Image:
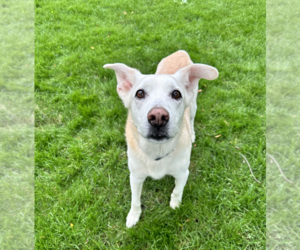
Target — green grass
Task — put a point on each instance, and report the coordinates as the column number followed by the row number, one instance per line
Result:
column 16, row 125
column 81, row 175
column 283, row 124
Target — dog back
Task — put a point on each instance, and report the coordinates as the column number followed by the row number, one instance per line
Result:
column 172, row 63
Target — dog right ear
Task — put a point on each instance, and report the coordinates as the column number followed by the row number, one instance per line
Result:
column 126, row 78
column 190, row 76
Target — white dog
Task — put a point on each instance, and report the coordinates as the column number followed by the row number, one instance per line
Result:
column 159, row 128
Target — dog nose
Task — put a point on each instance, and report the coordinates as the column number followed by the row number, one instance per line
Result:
column 158, row 117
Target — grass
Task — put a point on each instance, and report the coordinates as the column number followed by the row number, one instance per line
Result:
column 81, row 177
column 283, row 125
column 16, row 125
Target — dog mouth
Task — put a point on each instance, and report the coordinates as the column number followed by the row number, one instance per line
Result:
column 158, row 135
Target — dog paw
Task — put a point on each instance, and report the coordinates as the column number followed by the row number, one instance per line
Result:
column 133, row 217
column 174, row 203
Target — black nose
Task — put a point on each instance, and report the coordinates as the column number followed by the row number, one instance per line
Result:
column 158, row 117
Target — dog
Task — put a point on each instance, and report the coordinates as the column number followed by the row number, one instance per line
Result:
column 159, row 129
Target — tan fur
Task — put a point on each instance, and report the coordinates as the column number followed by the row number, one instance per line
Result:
column 172, row 63
column 131, row 133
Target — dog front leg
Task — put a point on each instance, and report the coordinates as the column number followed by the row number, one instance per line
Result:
column 180, row 181
column 136, row 185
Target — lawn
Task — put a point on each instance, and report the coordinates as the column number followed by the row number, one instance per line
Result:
column 283, row 124
column 16, row 125
column 82, row 191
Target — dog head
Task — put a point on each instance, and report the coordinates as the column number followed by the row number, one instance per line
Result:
column 157, row 102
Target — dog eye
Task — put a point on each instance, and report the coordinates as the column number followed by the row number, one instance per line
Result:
column 176, row 94
column 140, row 94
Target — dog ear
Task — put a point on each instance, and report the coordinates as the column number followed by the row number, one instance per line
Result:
column 190, row 76
column 126, row 78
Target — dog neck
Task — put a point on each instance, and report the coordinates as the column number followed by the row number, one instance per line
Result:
column 159, row 158
column 157, row 151
column 154, row 151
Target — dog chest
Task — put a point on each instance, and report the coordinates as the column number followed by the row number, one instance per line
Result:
column 174, row 163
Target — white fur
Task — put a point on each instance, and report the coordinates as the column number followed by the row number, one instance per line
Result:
column 176, row 150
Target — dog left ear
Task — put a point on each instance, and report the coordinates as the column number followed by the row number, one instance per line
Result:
column 126, row 78
column 190, row 76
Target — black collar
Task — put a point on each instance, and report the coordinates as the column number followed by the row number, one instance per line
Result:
column 159, row 158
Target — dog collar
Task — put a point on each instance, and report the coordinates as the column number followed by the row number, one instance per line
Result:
column 159, row 158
